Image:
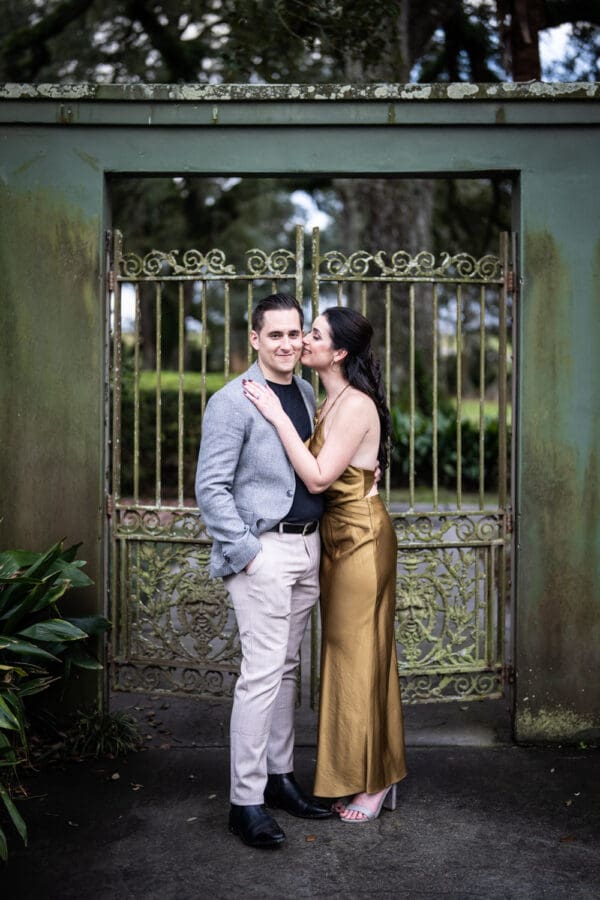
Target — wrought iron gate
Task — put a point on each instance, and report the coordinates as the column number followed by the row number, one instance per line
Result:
column 173, row 629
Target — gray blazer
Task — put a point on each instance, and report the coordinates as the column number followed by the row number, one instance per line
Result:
column 244, row 481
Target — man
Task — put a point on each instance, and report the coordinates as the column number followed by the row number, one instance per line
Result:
column 266, row 547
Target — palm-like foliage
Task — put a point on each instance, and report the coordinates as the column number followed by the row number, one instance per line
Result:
column 37, row 646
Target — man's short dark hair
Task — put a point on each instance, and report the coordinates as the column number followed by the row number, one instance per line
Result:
column 274, row 301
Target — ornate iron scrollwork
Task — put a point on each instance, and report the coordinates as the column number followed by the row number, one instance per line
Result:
column 179, row 625
column 174, row 630
column 268, row 265
column 158, row 263
column 404, row 267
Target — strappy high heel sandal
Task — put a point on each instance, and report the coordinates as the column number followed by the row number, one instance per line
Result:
column 388, row 799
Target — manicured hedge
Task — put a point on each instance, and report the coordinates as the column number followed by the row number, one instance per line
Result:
column 447, row 452
column 192, row 429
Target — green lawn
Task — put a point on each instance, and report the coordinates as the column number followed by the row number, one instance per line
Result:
column 470, row 410
column 214, row 380
column 192, row 381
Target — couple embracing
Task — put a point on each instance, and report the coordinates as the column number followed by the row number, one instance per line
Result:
column 294, row 513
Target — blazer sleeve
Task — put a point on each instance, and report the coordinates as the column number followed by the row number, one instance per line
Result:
column 223, row 432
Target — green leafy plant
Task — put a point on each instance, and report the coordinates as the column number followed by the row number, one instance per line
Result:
column 447, row 455
column 96, row 734
column 37, row 646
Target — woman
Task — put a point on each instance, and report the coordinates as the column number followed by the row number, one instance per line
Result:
column 360, row 744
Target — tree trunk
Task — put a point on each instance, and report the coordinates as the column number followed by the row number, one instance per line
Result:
column 520, row 24
column 389, row 214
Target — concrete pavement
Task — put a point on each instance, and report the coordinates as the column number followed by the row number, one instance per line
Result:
column 478, row 817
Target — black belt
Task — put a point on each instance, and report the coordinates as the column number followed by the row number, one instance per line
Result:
column 296, row 527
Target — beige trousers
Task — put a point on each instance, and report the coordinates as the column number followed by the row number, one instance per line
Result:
column 272, row 606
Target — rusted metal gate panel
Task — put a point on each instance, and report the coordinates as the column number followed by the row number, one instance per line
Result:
column 173, row 629
column 453, row 550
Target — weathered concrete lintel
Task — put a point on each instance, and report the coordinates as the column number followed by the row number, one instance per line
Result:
column 458, row 91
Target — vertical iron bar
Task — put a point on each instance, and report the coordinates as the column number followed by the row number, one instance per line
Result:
column 315, row 268
column 249, row 307
column 411, row 382
column 363, row 298
column 490, row 649
column 124, row 604
column 315, row 264
column 300, row 265
column 114, row 607
column 115, row 431
column 116, row 375
column 502, row 450
column 227, row 335
column 299, row 277
column 505, row 645
column 459, row 307
column 314, row 619
column 180, row 399
column 434, row 413
column 503, row 588
column 203, row 345
column 502, row 467
column 388, row 371
column 158, row 489
column 136, row 395
column 477, row 604
column 482, row 397
column 340, row 293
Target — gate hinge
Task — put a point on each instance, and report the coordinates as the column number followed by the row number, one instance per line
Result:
column 111, row 279
column 507, row 673
column 110, row 505
column 509, row 281
column 509, row 522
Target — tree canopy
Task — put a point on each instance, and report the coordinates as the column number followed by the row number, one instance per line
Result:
column 297, row 41
column 285, row 41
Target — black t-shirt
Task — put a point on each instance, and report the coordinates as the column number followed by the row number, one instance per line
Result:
column 305, row 506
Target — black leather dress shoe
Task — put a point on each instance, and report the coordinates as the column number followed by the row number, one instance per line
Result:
column 282, row 792
column 255, row 826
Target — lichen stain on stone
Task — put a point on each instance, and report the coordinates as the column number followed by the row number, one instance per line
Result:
column 416, row 92
column 302, row 92
column 458, row 91
column 49, row 91
column 556, row 725
column 549, row 90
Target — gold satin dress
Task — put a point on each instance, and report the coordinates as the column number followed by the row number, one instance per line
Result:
column 361, row 731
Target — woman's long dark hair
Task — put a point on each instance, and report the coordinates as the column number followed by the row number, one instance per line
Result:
column 352, row 332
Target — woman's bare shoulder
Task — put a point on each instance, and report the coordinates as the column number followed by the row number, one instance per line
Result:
column 357, row 401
